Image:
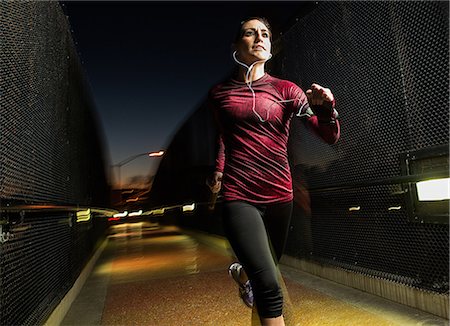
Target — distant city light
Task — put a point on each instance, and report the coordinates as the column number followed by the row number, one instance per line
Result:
column 138, row 213
column 189, row 208
column 113, row 218
column 123, row 214
column 157, row 211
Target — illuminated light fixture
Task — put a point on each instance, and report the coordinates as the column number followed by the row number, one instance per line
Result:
column 356, row 208
column 427, row 193
column 433, row 190
column 138, row 213
column 189, row 208
column 123, row 214
column 394, row 208
column 84, row 216
column 158, row 211
column 155, row 154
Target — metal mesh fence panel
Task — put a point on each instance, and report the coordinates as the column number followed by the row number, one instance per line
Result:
column 50, row 147
column 51, row 154
column 34, row 262
column 34, row 89
column 387, row 64
column 42, row 255
column 389, row 74
column 375, row 240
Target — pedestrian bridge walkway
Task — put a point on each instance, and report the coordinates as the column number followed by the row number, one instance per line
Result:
column 151, row 275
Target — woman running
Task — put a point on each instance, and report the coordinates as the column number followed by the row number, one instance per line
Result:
column 253, row 111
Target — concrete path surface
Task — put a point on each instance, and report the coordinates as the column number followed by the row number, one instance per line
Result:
column 161, row 276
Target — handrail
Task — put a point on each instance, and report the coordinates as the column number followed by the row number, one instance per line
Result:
column 50, row 208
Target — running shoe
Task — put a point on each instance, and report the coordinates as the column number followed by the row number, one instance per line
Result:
column 245, row 289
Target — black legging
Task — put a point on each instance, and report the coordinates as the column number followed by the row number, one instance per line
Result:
column 252, row 230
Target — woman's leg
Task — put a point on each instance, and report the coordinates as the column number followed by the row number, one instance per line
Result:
column 277, row 219
column 247, row 234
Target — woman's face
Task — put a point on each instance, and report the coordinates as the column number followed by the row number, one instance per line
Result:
column 254, row 44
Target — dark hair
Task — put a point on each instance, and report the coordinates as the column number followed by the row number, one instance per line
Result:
column 263, row 20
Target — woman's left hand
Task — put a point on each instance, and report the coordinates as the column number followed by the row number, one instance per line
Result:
column 319, row 96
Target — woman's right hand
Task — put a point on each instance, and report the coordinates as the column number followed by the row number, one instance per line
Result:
column 215, row 182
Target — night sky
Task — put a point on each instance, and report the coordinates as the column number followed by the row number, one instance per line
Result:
column 150, row 64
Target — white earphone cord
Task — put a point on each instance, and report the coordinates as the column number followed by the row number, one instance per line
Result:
column 249, row 84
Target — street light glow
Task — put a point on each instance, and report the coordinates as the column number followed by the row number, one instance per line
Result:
column 153, row 154
column 132, row 158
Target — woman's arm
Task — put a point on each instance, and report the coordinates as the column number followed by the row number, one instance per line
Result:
column 324, row 123
column 215, row 181
column 329, row 131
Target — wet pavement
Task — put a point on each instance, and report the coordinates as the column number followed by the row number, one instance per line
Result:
column 150, row 275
